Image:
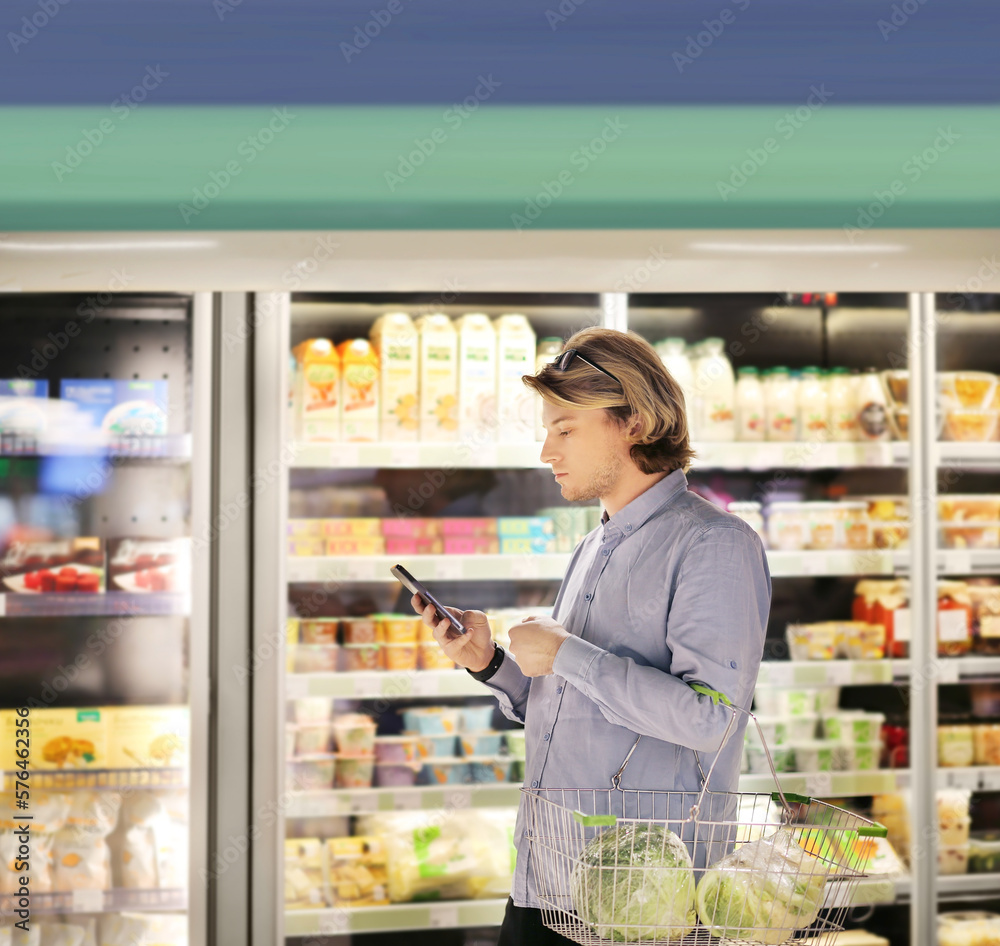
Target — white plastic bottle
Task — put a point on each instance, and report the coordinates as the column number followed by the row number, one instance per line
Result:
column 873, row 409
column 716, row 390
column 547, row 352
column 751, row 411
column 675, row 359
column 438, row 377
column 843, row 410
column 814, row 413
column 781, row 396
column 516, row 352
column 477, row 379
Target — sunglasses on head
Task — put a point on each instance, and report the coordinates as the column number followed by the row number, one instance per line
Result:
column 565, row 359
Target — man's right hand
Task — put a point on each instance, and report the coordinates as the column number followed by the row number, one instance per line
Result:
column 472, row 650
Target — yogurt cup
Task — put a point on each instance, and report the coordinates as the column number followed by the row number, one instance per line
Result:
column 782, row 756
column 313, row 709
column 444, row 772
column 316, row 658
column 515, row 742
column 311, row 738
column 430, row 656
column 437, row 746
column 359, row 630
column 434, row 720
column 813, row 755
column 853, row 726
column 354, row 734
column 489, row 769
column 476, row 718
column 400, row 629
column 362, row 657
column 397, row 656
column 396, row 774
column 308, row 774
column 354, row 772
column 396, row 749
column 486, row 743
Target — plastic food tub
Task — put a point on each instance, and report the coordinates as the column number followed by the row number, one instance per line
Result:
column 396, row 748
column 433, row 720
column 813, row 755
column 431, row 657
column 476, row 718
column 515, row 742
column 968, row 929
column 774, row 729
column 953, row 859
column 489, row 769
column 396, row 774
column 318, row 631
column 970, row 509
column 313, row 709
column 812, row 641
column 399, row 656
column 400, row 629
column 360, row 630
column 486, row 743
column 315, row 658
column 444, row 772
column 776, row 701
column 782, row 756
column 310, row 738
column 362, row 657
column 891, row 535
column 354, row 771
column 788, row 526
column 968, row 425
column 956, row 746
column 853, row 726
column 857, row 757
column 984, row 852
column 437, row 747
column 354, row 734
column 969, row 535
column 306, row 774
column 969, row 389
column 865, row 641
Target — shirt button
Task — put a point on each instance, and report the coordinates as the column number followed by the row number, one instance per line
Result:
column 628, row 527
column 607, row 551
column 588, row 596
column 558, row 689
column 534, row 784
column 546, row 736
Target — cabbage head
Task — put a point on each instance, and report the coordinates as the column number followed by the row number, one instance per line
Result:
column 634, row 883
column 764, row 891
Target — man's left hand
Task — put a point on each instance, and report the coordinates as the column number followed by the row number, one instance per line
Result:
column 534, row 643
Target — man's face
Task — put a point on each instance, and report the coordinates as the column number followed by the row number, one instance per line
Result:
column 586, row 449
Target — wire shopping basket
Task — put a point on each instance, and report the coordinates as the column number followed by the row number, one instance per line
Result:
column 694, row 867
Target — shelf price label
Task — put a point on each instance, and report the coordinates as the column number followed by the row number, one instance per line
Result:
column 296, row 686
column 989, row 779
column 819, row 784
column 524, row 567
column 962, row 778
column 362, row 802
column 448, row 568
column 368, row 686
column 87, row 901
column 443, row 916
column 407, row 801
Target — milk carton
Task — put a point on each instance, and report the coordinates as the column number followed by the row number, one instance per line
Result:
column 477, row 379
column 395, row 339
column 318, row 391
column 359, row 371
column 438, row 378
column 515, row 358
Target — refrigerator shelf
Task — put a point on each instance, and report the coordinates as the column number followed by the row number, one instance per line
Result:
column 100, row 901
column 175, row 447
column 875, row 782
column 96, row 780
column 111, row 603
column 444, row 915
column 319, row 804
column 810, row 673
column 369, row 684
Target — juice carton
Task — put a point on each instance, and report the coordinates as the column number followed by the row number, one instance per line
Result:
column 148, row 737
column 515, row 358
column 318, row 391
column 477, row 379
column 438, row 378
column 395, row 339
column 61, row 739
column 147, row 565
column 359, row 368
column 63, row 565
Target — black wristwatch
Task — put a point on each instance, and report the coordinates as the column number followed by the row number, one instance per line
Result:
column 494, row 665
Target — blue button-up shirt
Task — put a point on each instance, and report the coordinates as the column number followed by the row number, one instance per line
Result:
column 668, row 591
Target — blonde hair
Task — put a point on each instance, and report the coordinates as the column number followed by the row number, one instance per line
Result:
column 648, row 402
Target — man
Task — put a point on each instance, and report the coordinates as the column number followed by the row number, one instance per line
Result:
column 667, row 592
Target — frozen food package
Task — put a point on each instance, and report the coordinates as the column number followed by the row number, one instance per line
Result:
column 33, row 936
column 94, row 813
column 152, row 850
column 61, row 934
column 81, row 861
column 121, row 929
column 5, row 937
column 48, row 810
column 357, row 871
column 39, row 863
column 87, row 922
column 143, row 566
column 303, row 873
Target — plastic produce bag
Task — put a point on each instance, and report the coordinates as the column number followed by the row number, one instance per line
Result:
column 62, row 934
column 39, row 861
column 764, row 891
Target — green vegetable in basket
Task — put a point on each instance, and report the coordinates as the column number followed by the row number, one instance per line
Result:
column 634, row 883
column 763, row 891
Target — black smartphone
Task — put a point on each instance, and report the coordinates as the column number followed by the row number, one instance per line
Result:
column 418, row 589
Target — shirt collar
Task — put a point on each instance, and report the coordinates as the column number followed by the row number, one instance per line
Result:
column 632, row 517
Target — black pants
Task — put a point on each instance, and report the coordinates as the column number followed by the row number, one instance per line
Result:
column 522, row 926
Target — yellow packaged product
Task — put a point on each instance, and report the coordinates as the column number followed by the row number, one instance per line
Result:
column 358, row 871
column 438, row 378
column 348, row 527
column 38, row 866
column 356, row 545
column 359, row 369
column 148, row 737
column 303, row 873
column 395, row 339
column 317, row 391
column 291, row 642
column 65, row 738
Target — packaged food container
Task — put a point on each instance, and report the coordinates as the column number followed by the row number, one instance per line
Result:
column 899, row 422
column 360, row 630
column 318, row 631
column 954, row 619
column 774, row 729
column 361, row 657
column 968, row 929
column 315, row 658
column 400, row 629
column 396, row 774
column 812, row 641
column 437, row 747
column 396, row 748
column 489, row 769
column 399, row 656
column 750, row 513
column 825, row 700
column 822, row 525
column 864, row 641
column 788, row 526
column 853, row 726
column 985, row 600
column 433, row 720
column 770, row 701
column 896, row 745
column 311, row 738
column 802, row 727
column 308, row 774
column 985, row 699
column 476, row 718
column 888, row 508
column 354, row 772
column 968, row 535
column 956, row 747
column 801, row 702
column 984, row 853
column 891, row 535
column 444, row 772
column 430, row 656
column 425, row 634
column 891, row 610
column 354, row 734
column 968, row 389
column 313, row 709
column 970, row 426
column 953, row 859
column 813, row 755
column 953, row 815
column 897, row 386
column 981, row 507
column 485, row 743
column 783, row 757
column 854, row 530
column 856, row 757
column 986, row 743
column 515, row 742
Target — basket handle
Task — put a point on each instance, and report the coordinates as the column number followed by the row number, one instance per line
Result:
column 595, row 821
